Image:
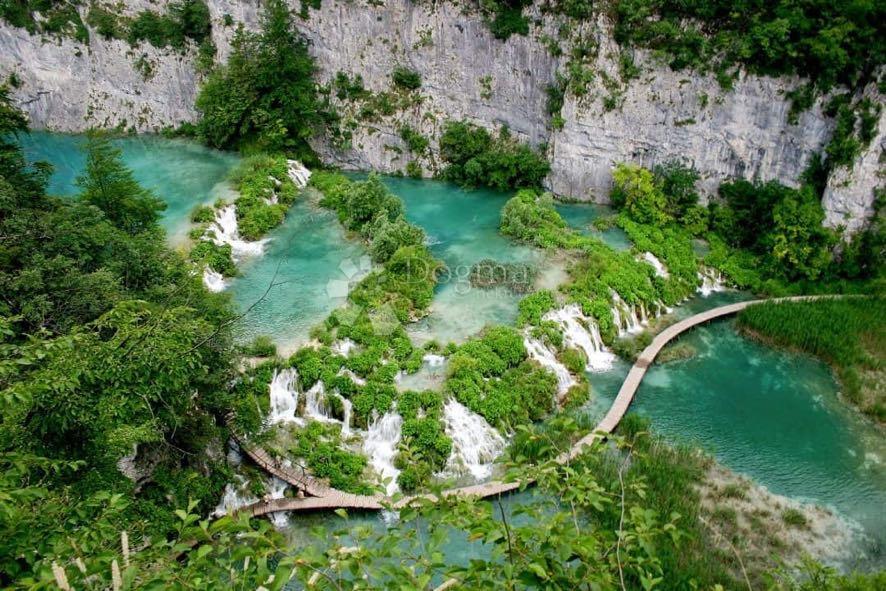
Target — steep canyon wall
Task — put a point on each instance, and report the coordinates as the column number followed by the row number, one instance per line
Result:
column 466, row 74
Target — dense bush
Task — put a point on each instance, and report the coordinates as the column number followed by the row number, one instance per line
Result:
column 831, row 43
column 493, row 377
column 476, row 158
column 265, row 95
column 54, row 17
column 424, row 447
column 216, row 257
column 320, row 445
column 406, row 78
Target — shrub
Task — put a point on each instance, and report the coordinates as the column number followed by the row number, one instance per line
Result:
column 261, row 346
column 416, row 141
column 475, row 158
column 216, row 257
column 406, row 78
column 202, row 214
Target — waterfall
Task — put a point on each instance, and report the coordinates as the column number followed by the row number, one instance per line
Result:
column 315, row 404
column 224, row 230
column 284, row 396
column 346, row 418
column 354, row 377
column 277, row 490
column 711, row 281
column 298, row 173
column 234, row 497
column 546, row 358
column 380, row 446
column 625, row 317
column 475, row 443
column 582, row 333
column 660, row 269
column 343, row 347
column 214, row 281
column 434, row 360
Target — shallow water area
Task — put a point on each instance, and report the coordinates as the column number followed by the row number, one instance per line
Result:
column 581, row 216
column 769, row 414
column 307, row 265
column 181, row 172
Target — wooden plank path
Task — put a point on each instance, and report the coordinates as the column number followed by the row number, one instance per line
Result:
column 325, row 497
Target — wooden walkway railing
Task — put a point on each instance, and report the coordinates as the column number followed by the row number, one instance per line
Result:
column 325, row 497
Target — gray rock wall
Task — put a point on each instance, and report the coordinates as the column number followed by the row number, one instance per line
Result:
column 466, row 73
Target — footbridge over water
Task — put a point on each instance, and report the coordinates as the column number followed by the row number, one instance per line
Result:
column 321, row 496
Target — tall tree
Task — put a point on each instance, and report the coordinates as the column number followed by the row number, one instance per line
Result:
column 110, row 186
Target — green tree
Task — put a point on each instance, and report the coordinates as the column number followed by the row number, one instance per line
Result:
column 109, row 185
column 634, row 189
column 265, row 96
column 799, row 246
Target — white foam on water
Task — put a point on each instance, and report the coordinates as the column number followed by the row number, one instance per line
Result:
column 380, row 446
column 475, row 443
column 214, row 281
column 284, row 396
column 277, row 490
column 434, row 360
column 626, row 319
column 546, row 358
column 235, row 497
column 354, row 377
column 660, row 269
column 582, row 333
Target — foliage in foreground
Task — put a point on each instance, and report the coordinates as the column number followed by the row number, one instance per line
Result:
column 618, row 516
column 848, row 333
column 112, row 356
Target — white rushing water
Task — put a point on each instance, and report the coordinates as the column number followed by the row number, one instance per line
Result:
column 276, row 489
column 298, row 173
column 343, row 347
column 236, row 496
column 475, row 443
column 214, row 281
column 347, row 416
column 711, row 281
column 582, row 333
column 284, row 396
column 546, row 358
column 659, row 267
column 625, row 317
column 353, row 377
column 380, row 446
column 224, row 230
column 434, row 360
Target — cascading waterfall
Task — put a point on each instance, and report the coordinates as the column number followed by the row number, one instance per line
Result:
column 224, row 230
column 277, row 490
column 434, row 360
column 380, row 446
column 343, row 347
column 624, row 316
column 475, row 443
column 582, row 333
column 546, row 358
column 284, row 396
column 214, row 281
column 711, row 281
column 315, row 404
column 235, row 497
column 347, row 413
column 354, row 377
column 660, row 269
column 298, row 174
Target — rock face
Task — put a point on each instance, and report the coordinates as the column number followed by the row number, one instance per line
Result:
column 466, row 74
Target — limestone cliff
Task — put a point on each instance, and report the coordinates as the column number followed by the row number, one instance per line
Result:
column 466, row 73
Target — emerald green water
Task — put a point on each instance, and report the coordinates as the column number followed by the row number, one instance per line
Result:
column 772, row 415
column 581, row 215
column 180, row 172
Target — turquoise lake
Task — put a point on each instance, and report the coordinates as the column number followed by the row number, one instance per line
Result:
column 772, row 415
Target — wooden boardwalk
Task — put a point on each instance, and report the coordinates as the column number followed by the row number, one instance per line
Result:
column 324, row 497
